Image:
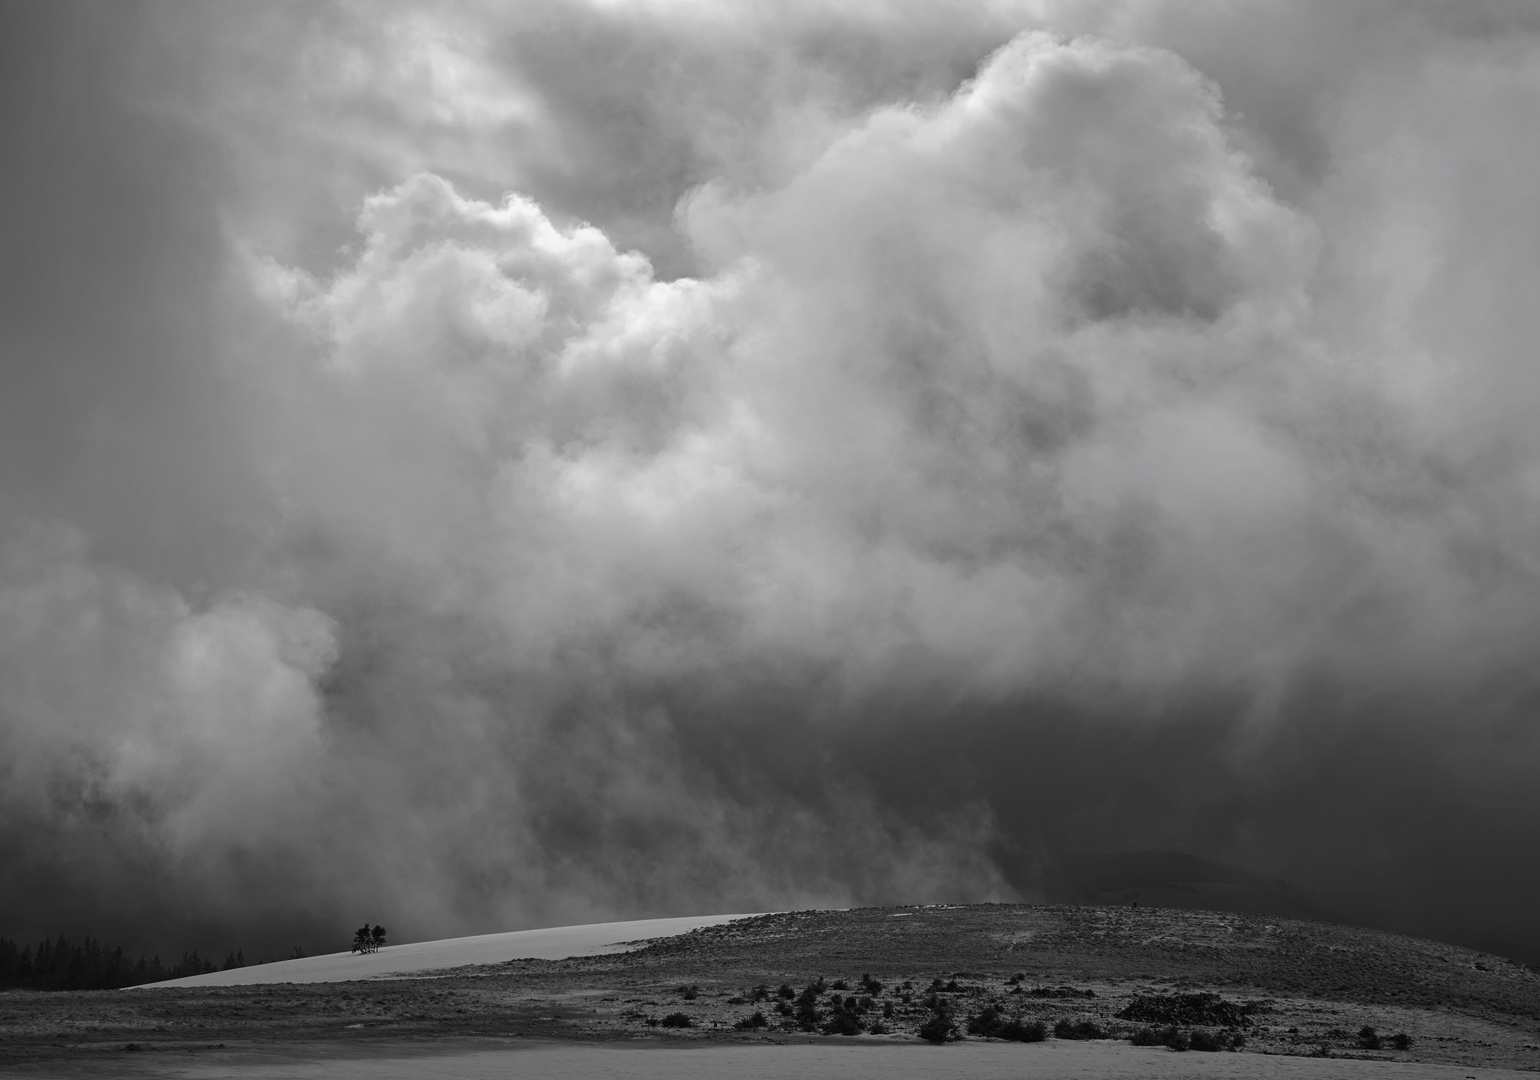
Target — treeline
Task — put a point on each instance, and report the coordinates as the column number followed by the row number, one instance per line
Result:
column 91, row 965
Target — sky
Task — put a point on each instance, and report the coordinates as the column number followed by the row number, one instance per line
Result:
column 472, row 466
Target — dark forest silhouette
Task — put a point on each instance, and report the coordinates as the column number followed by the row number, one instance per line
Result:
column 62, row 964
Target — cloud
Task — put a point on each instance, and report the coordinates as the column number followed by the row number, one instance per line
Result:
column 1047, row 429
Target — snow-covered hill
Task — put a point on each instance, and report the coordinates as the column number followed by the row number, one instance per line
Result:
column 551, row 943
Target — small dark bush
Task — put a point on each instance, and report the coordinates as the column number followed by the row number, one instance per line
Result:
column 1208, row 1041
column 1079, row 1029
column 871, row 985
column 678, row 1020
column 1170, row 1036
column 807, row 1007
column 838, row 984
column 939, row 1028
column 1023, row 1031
column 785, row 991
column 1368, row 1039
column 689, row 993
column 1401, row 1040
column 888, row 1010
column 841, row 1022
column 752, row 1023
column 761, row 992
column 986, row 1021
column 877, row 1027
column 784, row 1008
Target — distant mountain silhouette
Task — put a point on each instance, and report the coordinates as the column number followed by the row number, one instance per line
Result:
column 1175, row 879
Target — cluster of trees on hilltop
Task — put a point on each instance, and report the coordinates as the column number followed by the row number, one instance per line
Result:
column 90, row 965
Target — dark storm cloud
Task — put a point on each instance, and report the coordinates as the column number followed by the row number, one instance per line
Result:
column 1058, row 428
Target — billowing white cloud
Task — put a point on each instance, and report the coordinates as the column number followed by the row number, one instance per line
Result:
column 1119, row 374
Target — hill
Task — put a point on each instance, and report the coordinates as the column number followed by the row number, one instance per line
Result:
column 1275, row 985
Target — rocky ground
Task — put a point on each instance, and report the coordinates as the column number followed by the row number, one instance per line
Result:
column 1258, row 984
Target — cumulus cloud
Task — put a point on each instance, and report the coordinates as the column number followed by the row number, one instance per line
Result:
column 1116, row 439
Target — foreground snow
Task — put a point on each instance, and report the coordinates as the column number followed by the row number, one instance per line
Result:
column 552, row 943
column 894, row 1061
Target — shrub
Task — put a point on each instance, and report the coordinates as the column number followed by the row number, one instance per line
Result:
column 877, row 1027
column 806, row 1011
column 761, row 992
column 985, row 1022
column 991, row 1023
column 1023, row 1031
column 939, row 1028
column 1079, row 1029
column 677, row 1020
column 1401, row 1040
column 841, row 1022
column 689, row 993
column 1173, row 1037
column 871, row 985
column 785, row 991
column 1368, row 1039
column 838, row 984
column 1208, row 1041
column 753, row 1022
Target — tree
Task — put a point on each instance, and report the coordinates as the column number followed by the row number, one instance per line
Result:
column 367, row 940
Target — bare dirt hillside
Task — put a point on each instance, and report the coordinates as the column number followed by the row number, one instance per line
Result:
column 1245, row 983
